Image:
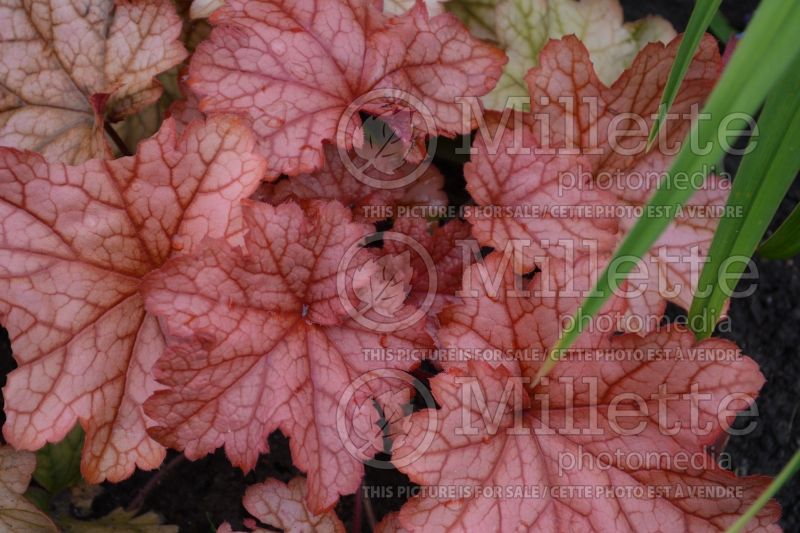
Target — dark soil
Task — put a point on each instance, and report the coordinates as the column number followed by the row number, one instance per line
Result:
column 200, row 495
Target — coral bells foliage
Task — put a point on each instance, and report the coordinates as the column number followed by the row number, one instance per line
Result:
column 582, row 151
column 185, row 297
column 602, row 412
column 66, row 67
column 295, row 68
column 76, row 242
column 273, row 347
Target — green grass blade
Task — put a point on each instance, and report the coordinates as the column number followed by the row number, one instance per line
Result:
column 766, row 51
column 721, row 28
column 785, row 242
column 764, row 177
column 702, row 15
column 780, row 480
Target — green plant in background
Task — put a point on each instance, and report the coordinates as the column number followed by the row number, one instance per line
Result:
column 58, row 467
column 764, row 67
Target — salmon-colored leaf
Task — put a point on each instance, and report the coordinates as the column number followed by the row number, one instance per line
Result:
column 75, row 244
column 521, row 473
column 264, row 341
column 618, row 413
column 610, row 126
column 581, row 108
column 67, row 68
column 573, row 184
column 383, row 283
column 298, row 70
column 390, row 524
column 525, row 203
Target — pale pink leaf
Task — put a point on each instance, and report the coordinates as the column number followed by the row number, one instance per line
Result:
column 270, row 344
column 438, row 256
column 295, row 70
column 585, row 197
column 390, row 524
column 622, row 166
column 526, row 203
column 282, row 506
column 384, row 283
column 485, row 443
column 186, row 109
column 524, row 455
column 75, row 244
column 581, row 109
column 67, row 68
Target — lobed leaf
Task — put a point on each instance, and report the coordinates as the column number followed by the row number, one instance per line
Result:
column 523, row 27
column 67, row 70
column 261, row 340
column 740, row 90
column 572, row 187
column 519, row 446
column 257, row 63
column 75, row 244
column 369, row 202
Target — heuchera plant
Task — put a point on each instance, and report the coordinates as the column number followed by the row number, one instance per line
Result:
column 228, row 279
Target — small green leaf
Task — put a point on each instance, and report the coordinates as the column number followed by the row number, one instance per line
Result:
column 785, row 242
column 766, row 51
column 702, row 15
column 780, row 480
column 58, row 465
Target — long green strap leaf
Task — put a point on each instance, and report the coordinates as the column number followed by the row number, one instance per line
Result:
column 765, row 52
column 702, row 15
column 785, row 242
column 721, row 28
column 780, row 480
column 764, row 177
